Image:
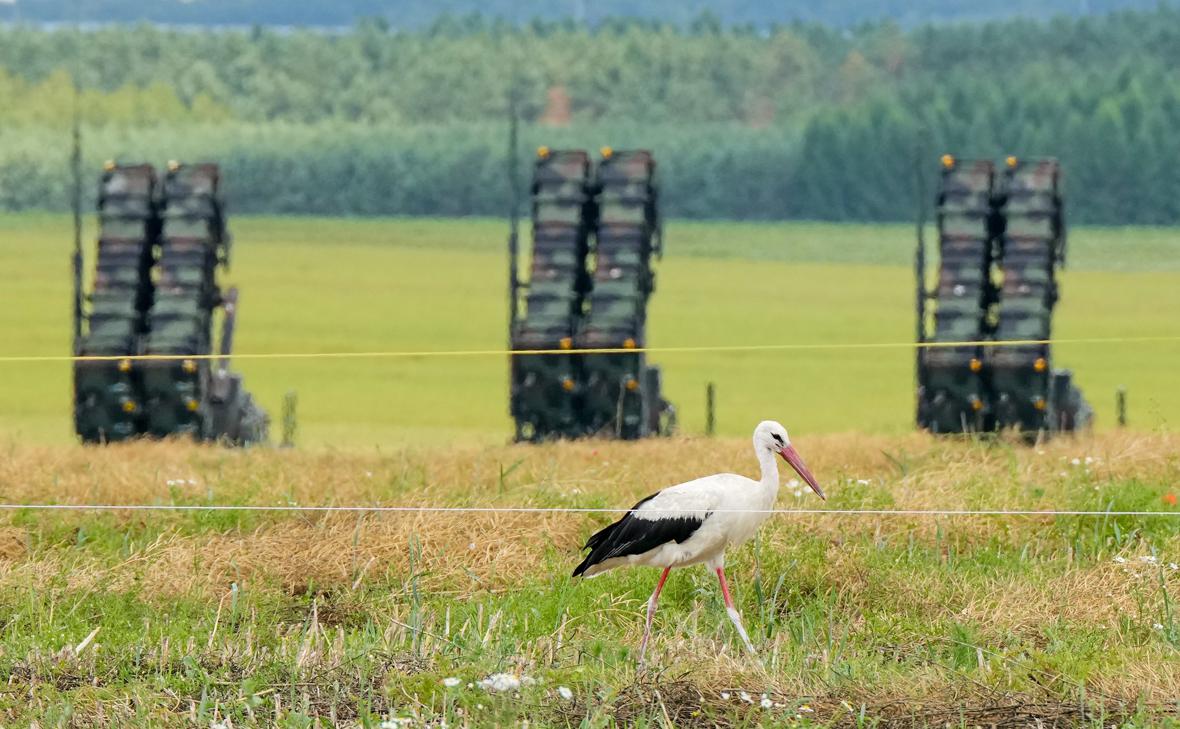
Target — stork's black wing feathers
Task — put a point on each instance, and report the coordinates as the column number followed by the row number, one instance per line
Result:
column 632, row 535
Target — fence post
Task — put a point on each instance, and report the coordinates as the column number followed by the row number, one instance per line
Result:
column 710, row 404
column 289, row 421
column 1121, row 405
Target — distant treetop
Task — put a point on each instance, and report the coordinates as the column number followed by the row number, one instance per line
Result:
column 418, row 14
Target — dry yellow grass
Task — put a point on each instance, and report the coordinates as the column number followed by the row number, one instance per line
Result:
column 939, row 469
column 886, row 593
column 481, row 550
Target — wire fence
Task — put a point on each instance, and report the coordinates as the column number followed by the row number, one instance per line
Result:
column 295, row 508
column 393, row 354
column 397, row 509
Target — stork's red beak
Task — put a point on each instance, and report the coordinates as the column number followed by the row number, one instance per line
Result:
column 791, row 456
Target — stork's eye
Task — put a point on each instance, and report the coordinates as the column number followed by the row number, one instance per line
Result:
column 777, row 438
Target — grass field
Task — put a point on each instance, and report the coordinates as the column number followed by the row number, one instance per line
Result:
column 237, row 618
column 321, row 285
column 295, row 620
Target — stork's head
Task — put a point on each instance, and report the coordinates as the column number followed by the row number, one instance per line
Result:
column 772, row 436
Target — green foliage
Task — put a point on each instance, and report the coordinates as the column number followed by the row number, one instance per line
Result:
column 789, row 122
column 360, row 169
column 457, row 14
column 50, row 102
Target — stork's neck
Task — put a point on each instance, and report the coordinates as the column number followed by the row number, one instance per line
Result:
column 769, row 466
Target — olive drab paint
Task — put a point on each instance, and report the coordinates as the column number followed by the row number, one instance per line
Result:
column 953, row 392
column 595, row 230
column 1001, row 242
column 542, row 397
column 160, row 247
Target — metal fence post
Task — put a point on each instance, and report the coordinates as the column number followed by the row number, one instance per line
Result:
column 289, row 422
column 710, row 404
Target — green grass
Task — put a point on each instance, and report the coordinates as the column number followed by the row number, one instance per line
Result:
column 299, row 620
column 290, row 620
column 322, row 285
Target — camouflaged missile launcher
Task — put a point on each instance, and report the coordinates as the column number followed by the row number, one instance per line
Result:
column 953, row 398
column 193, row 241
column 542, row 399
column 107, row 401
column 999, row 386
column 566, row 307
column 614, row 400
column 155, row 290
column 1029, row 395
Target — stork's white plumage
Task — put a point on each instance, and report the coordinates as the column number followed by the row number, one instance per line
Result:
column 696, row 522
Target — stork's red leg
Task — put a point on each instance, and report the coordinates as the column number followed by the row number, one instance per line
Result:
column 733, row 613
column 725, row 589
column 651, row 612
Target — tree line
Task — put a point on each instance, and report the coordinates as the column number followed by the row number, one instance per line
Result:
column 426, row 13
column 799, row 121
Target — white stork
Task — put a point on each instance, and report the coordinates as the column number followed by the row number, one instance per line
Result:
column 696, row 521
